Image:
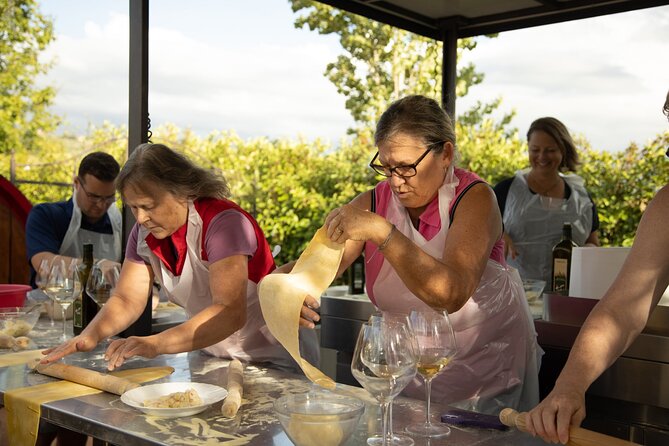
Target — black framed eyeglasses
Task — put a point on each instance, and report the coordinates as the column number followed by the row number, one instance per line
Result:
column 95, row 198
column 403, row 170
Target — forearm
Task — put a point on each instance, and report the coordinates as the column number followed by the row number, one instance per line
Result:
column 114, row 317
column 449, row 292
column 208, row 327
column 604, row 337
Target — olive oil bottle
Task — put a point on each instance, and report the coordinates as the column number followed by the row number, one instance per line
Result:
column 562, row 261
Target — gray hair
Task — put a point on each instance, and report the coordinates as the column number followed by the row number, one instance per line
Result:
column 418, row 116
column 172, row 171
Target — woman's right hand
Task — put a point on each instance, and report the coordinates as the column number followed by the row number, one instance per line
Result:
column 552, row 418
column 509, row 247
column 81, row 343
column 309, row 317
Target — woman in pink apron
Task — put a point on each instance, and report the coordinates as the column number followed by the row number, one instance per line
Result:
column 206, row 252
column 432, row 237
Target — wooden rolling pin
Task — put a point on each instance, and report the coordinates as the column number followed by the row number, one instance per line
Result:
column 577, row 435
column 235, row 389
column 90, row 378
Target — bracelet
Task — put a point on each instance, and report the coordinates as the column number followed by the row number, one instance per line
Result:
column 383, row 245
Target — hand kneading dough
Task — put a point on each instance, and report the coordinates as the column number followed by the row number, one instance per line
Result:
column 189, row 398
column 282, row 295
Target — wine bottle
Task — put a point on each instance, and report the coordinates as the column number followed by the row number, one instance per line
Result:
column 82, row 313
column 562, row 261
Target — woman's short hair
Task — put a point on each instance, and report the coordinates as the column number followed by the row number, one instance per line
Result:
column 171, row 171
column 418, row 116
column 558, row 131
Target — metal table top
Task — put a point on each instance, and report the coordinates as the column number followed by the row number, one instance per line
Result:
column 105, row 417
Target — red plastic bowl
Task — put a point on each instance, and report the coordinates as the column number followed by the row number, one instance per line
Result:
column 13, row 295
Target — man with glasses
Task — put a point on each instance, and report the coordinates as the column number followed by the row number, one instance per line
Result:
column 89, row 216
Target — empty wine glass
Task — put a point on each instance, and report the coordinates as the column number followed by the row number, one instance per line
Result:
column 101, row 283
column 384, row 362
column 435, row 340
column 63, row 286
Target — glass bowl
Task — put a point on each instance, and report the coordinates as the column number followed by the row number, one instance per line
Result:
column 318, row 418
column 18, row 321
column 533, row 288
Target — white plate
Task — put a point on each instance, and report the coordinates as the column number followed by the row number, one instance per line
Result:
column 209, row 393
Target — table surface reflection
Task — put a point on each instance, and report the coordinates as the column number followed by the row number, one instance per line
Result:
column 106, row 418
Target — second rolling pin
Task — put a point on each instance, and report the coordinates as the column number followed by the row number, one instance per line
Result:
column 577, row 435
column 235, row 389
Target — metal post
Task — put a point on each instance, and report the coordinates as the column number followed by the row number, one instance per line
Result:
column 138, row 114
column 449, row 76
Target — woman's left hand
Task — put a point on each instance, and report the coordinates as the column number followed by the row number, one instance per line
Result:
column 121, row 349
column 351, row 223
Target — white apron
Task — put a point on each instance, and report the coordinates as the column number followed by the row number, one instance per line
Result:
column 253, row 342
column 534, row 223
column 105, row 246
column 497, row 362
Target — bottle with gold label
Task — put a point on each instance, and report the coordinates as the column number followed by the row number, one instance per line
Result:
column 562, row 261
column 81, row 304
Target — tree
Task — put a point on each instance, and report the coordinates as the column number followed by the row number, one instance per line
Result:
column 24, row 114
column 381, row 63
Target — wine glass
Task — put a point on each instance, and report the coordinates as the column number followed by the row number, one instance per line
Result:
column 384, row 362
column 101, row 284
column 435, row 340
column 63, row 286
column 41, row 277
column 395, row 439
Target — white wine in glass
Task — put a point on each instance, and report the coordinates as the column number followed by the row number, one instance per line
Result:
column 41, row 278
column 435, row 341
column 63, row 286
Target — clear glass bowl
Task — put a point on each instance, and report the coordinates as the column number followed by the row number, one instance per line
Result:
column 318, row 418
column 18, row 321
column 533, row 288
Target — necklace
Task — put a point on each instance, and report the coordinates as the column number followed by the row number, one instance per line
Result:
column 532, row 183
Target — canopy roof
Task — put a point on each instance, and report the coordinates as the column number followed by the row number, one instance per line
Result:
column 475, row 17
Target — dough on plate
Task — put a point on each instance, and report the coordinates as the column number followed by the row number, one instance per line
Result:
column 189, row 398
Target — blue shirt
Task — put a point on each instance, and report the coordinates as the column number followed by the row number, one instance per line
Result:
column 47, row 225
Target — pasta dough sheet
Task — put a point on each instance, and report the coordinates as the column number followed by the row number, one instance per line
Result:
column 24, row 404
column 282, row 296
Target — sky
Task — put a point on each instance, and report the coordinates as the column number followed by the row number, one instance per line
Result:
column 242, row 66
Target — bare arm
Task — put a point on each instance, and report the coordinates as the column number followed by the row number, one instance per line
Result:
column 227, row 313
column 612, row 325
column 122, row 309
column 443, row 284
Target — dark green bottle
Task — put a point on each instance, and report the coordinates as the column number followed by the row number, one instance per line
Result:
column 82, row 313
column 562, row 261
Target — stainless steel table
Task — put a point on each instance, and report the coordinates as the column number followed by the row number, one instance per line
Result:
column 106, row 418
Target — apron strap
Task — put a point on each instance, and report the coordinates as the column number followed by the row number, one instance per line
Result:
column 373, row 206
column 451, row 212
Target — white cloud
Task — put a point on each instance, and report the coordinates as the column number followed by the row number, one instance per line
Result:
column 605, row 78
column 255, row 89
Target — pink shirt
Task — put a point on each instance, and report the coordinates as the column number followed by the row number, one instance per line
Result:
column 429, row 222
